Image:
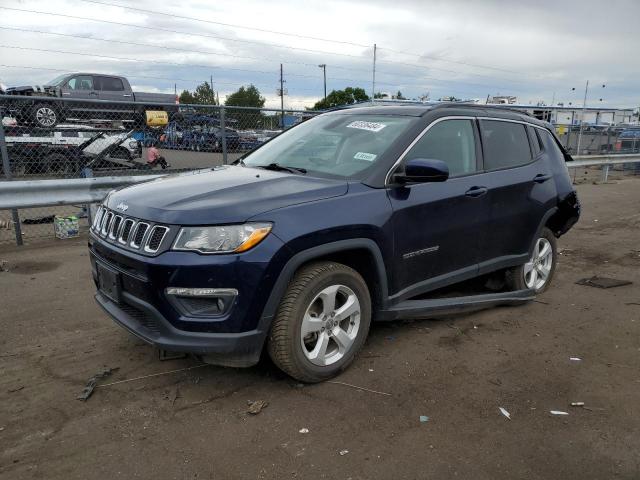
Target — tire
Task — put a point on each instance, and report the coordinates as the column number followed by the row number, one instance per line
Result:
column 45, row 115
column 58, row 164
column 313, row 294
column 529, row 275
column 121, row 153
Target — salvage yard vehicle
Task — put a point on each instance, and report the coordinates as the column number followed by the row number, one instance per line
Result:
column 68, row 148
column 628, row 141
column 114, row 92
column 355, row 215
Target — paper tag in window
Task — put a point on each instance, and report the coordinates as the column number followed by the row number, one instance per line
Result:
column 369, row 157
column 369, row 126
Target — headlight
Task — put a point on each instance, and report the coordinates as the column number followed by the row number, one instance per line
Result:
column 222, row 239
column 133, row 144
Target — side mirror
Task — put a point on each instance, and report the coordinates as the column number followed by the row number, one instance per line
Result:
column 423, row 170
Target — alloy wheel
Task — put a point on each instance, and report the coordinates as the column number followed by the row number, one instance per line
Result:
column 538, row 269
column 330, row 325
column 46, row 116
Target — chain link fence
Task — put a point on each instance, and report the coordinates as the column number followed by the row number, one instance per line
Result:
column 49, row 138
column 52, row 137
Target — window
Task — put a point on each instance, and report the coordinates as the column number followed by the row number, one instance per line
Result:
column 451, row 141
column 81, row 82
column 110, row 84
column 505, row 144
column 536, row 143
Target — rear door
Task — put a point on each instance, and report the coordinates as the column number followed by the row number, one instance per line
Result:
column 112, row 88
column 521, row 191
column 438, row 226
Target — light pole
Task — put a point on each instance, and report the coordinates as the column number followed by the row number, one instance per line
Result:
column 584, row 111
column 324, row 73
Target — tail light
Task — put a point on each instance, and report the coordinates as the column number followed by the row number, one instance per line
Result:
column 177, row 100
column 618, row 145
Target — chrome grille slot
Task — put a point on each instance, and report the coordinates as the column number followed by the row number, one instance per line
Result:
column 155, row 238
column 106, row 223
column 139, row 234
column 126, row 231
column 115, row 226
column 98, row 218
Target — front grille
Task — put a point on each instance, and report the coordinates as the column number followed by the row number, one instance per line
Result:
column 128, row 232
column 155, row 239
column 141, row 229
column 142, row 317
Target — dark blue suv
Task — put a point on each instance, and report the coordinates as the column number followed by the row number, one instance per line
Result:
column 355, row 215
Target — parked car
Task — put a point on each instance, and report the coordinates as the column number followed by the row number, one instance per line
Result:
column 628, row 141
column 355, row 215
column 205, row 138
column 81, row 89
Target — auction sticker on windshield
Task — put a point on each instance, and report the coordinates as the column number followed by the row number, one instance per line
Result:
column 369, row 157
column 369, row 126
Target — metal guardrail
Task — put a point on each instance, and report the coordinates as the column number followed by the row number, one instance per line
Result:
column 38, row 193
column 76, row 191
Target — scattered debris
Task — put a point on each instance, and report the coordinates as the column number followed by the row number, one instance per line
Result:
column 256, row 407
column 593, row 409
column 16, row 389
column 577, row 404
column 390, row 338
column 424, row 419
column 164, row 355
column 602, row 282
column 371, row 369
column 505, row 413
column 343, row 452
column 575, row 359
column 1, row 429
column 565, row 251
column 304, row 430
column 356, row 386
column 558, row 412
column 176, row 395
column 92, row 383
column 153, row 375
column 540, row 301
column 632, row 303
column 3, row 266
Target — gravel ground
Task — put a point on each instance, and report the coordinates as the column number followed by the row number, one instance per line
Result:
column 456, row 371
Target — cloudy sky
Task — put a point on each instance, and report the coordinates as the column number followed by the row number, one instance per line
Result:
column 536, row 50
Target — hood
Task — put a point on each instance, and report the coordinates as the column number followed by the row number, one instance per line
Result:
column 28, row 90
column 230, row 194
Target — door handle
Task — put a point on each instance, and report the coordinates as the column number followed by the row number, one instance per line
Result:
column 476, row 191
column 541, row 177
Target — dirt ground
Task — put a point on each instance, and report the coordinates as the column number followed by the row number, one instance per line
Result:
column 456, row 371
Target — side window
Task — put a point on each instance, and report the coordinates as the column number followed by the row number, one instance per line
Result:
column 81, row 82
column 505, row 144
column 549, row 142
column 451, row 141
column 110, row 84
column 536, row 143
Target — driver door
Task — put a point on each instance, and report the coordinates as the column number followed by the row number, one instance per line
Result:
column 439, row 226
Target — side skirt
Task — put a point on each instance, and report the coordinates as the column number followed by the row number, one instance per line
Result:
column 410, row 309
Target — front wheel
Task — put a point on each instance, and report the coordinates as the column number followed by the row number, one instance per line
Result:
column 322, row 322
column 537, row 273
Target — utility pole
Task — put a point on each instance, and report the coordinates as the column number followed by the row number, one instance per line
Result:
column 373, row 83
column 584, row 110
column 324, row 71
column 281, row 98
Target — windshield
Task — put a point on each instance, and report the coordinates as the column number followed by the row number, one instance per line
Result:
column 57, row 80
column 337, row 145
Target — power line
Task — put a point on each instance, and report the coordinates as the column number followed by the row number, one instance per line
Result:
column 172, row 15
column 180, row 32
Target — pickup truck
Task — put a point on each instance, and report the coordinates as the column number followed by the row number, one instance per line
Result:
column 91, row 97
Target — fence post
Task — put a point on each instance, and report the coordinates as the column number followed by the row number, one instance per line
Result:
column 224, row 136
column 605, row 173
column 6, row 165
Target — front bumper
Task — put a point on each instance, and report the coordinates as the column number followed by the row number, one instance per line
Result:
column 147, row 323
column 234, row 336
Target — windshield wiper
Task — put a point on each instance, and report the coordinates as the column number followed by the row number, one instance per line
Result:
column 282, row 168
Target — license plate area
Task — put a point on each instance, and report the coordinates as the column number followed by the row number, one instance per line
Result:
column 108, row 282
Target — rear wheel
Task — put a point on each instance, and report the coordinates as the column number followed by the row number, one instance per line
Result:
column 538, row 272
column 322, row 322
column 45, row 115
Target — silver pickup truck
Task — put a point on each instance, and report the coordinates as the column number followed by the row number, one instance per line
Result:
column 93, row 97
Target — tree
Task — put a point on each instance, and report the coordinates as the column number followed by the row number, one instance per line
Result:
column 205, row 94
column 186, row 97
column 246, row 97
column 337, row 98
column 380, row 95
column 399, row 96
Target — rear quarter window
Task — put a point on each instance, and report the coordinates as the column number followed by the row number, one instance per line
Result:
column 504, row 144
